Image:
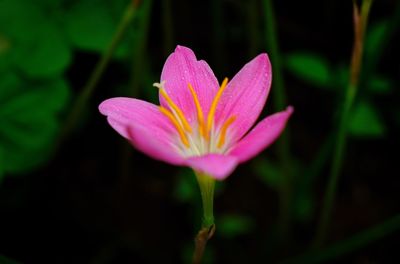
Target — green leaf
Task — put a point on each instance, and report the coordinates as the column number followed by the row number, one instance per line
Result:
column 309, row 67
column 29, row 121
column 90, row 25
column 304, row 206
column 268, row 172
column 379, row 85
column 40, row 51
column 2, row 167
column 186, row 188
column 234, row 225
column 365, row 121
column 4, row 52
column 49, row 56
column 375, row 36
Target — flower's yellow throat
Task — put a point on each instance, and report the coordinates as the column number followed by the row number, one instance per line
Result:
column 178, row 119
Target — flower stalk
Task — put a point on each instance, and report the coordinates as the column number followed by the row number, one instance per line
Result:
column 360, row 23
column 206, row 185
column 279, row 97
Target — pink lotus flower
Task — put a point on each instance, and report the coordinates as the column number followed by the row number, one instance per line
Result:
column 199, row 123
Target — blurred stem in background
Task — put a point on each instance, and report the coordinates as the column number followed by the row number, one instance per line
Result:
column 81, row 101
column 360, row 23
column 139, row 53
column 279, row 97
column 372, row 58
column 139, row 57
column 349, row 245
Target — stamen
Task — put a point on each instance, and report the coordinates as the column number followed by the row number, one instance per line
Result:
column 224, row 128
column 200, row 116
column 175, row 122
column 177, row 110
column 214, row 105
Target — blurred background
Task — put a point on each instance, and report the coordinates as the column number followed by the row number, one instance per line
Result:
column 73, row 191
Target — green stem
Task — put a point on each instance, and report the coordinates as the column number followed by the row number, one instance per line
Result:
column 360, row 21
column 80, row 103
column 206, row 184
column 351, row 244
column 279, row 97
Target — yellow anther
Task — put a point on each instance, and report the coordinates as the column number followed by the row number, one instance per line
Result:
column 224, row 128
column 200, row 115
column 177, row 110
column 214, row 104
column 176, row 124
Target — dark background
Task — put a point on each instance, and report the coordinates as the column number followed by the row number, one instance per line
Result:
column 89, row 197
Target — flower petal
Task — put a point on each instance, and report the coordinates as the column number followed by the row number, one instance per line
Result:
column 216, row 165
column 182, row 68
column 144, row 125
column 245, row 95
column 154, row 145
column 263, row 135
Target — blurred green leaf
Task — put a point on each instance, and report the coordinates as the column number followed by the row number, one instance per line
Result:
column 40, row 51
column 51, row 4
column 2, row 167
column 309, row 67
column 365, row 121
column 29, row 121
column 234, row 225
column 48, row 56
column 375, row 36
column 90, row 25
column 304, row 206
column 375, row 83
column 5, row 260
column 4, row 52
column 379, row 85
column 186, row 188
column 268, row 172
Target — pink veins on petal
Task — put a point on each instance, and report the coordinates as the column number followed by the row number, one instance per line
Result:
column 200, row 123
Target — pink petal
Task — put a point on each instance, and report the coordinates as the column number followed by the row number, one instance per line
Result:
column 263, row 135
column 182, row 68
column 156, row 146
column 216, row 165
column 144, row 125
column 245, row 95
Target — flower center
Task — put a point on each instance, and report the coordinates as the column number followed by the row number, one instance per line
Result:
column 207, row 138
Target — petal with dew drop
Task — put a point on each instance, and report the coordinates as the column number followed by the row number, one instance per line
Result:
column 144, row 126
column 245, row 95
column 261, row 136
column 182, row 68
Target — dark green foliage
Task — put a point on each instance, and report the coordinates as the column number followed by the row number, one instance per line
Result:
column 101, row 211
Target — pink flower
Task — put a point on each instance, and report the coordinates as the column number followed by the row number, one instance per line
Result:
column 199, row 123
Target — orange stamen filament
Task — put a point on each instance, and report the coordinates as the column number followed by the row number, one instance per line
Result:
column 200, row 115
column 224, row 129
column 176, row 109
column 176, row 124
column 214, row 104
